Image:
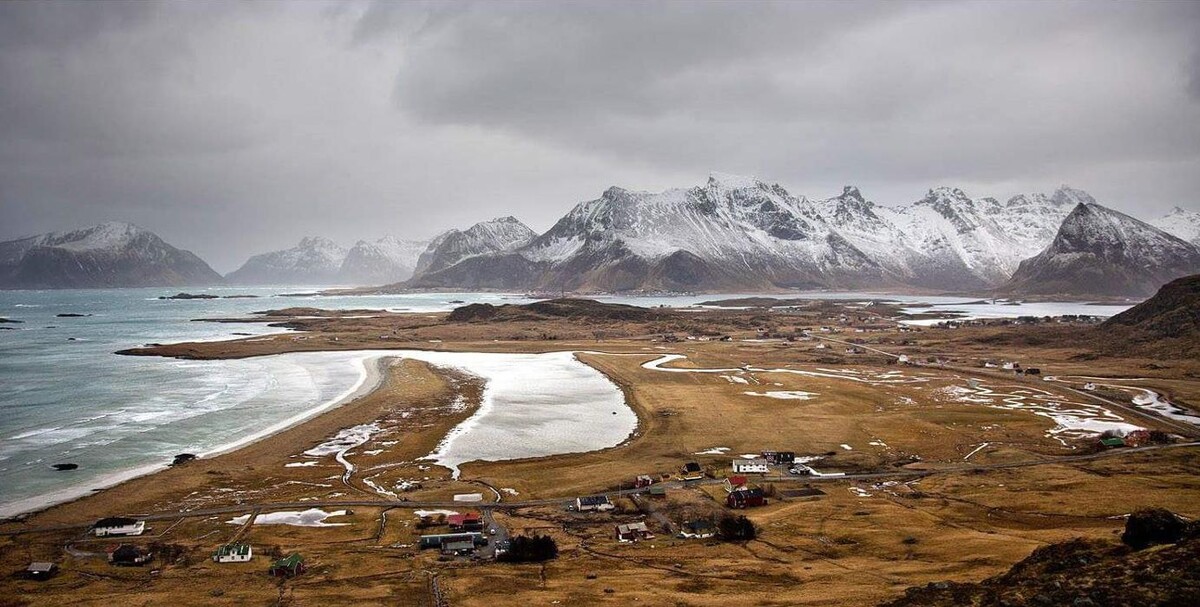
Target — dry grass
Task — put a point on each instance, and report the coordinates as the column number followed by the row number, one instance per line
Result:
column 857, row 545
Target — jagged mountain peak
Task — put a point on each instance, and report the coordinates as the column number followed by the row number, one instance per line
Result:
column 1181, row 222
column 848, row 207
column 851, row 193
column 945, row 194
column 499, row 234
column 1066, row 195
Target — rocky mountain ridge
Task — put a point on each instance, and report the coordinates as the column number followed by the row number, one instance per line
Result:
column 494, row 236
column 320, row 261
column 111, row 254
column 739, row 233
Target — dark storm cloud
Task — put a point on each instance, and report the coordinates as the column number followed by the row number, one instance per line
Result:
column 976, row 91
column 232, row 128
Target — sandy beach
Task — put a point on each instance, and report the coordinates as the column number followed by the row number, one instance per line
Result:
column 386, row 386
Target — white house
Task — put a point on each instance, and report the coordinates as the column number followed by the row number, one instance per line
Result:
column 233, row 553
column 594, row 502
column 750, row 466
column 118, row 525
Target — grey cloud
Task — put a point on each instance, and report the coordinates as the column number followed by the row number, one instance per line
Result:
column 860, row 89
column 234, row 127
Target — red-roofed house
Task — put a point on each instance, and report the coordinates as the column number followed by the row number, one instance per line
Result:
column 733, row 483
column 470, row 521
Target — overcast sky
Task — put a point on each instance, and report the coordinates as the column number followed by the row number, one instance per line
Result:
column 235, row 128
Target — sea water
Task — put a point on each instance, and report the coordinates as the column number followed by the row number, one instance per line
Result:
column 65, row 397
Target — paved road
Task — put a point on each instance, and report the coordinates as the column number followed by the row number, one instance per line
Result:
column 870, row 476
column 1183, row 428
column 501, row 535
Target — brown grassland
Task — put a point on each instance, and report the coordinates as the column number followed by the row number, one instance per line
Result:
column 861, row 542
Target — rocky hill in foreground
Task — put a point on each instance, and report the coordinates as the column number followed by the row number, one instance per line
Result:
column 107, row 255
column 1089, row 573
column 1169, row 321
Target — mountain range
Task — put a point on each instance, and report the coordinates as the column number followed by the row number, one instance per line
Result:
column 729, row 234
column 741, row 234
column 321, row 261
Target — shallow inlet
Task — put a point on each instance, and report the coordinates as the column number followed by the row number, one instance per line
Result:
column 533, row 405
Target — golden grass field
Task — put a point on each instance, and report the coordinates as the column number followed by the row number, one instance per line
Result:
column 858, row 544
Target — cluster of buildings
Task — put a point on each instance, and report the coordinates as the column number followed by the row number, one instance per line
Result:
column 465, row 535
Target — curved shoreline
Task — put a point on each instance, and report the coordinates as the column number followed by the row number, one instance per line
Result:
column 370, row 379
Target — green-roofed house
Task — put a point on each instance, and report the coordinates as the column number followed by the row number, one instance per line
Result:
column 233, row 553
column 288, row 566
column 1114, row 441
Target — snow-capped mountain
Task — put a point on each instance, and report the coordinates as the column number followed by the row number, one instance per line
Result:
column 742, row 233
column 383, row 261
column 498, row 235
column 1182, row 223
column 111, row 254
column 1099, row 251
column 731, row 233
column 947, row 240
column 314, row 261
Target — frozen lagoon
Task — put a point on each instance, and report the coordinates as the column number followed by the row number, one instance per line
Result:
column 533, row 405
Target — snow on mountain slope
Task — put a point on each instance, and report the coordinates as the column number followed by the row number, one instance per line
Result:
column 497, row 235
column 1099, row 251
column 383, row 261
column 958, row 238
column 733, row 232
column 315, row 260
column 946, row 239
column 741, row 233
column 1182, row 223
column 111, row 254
